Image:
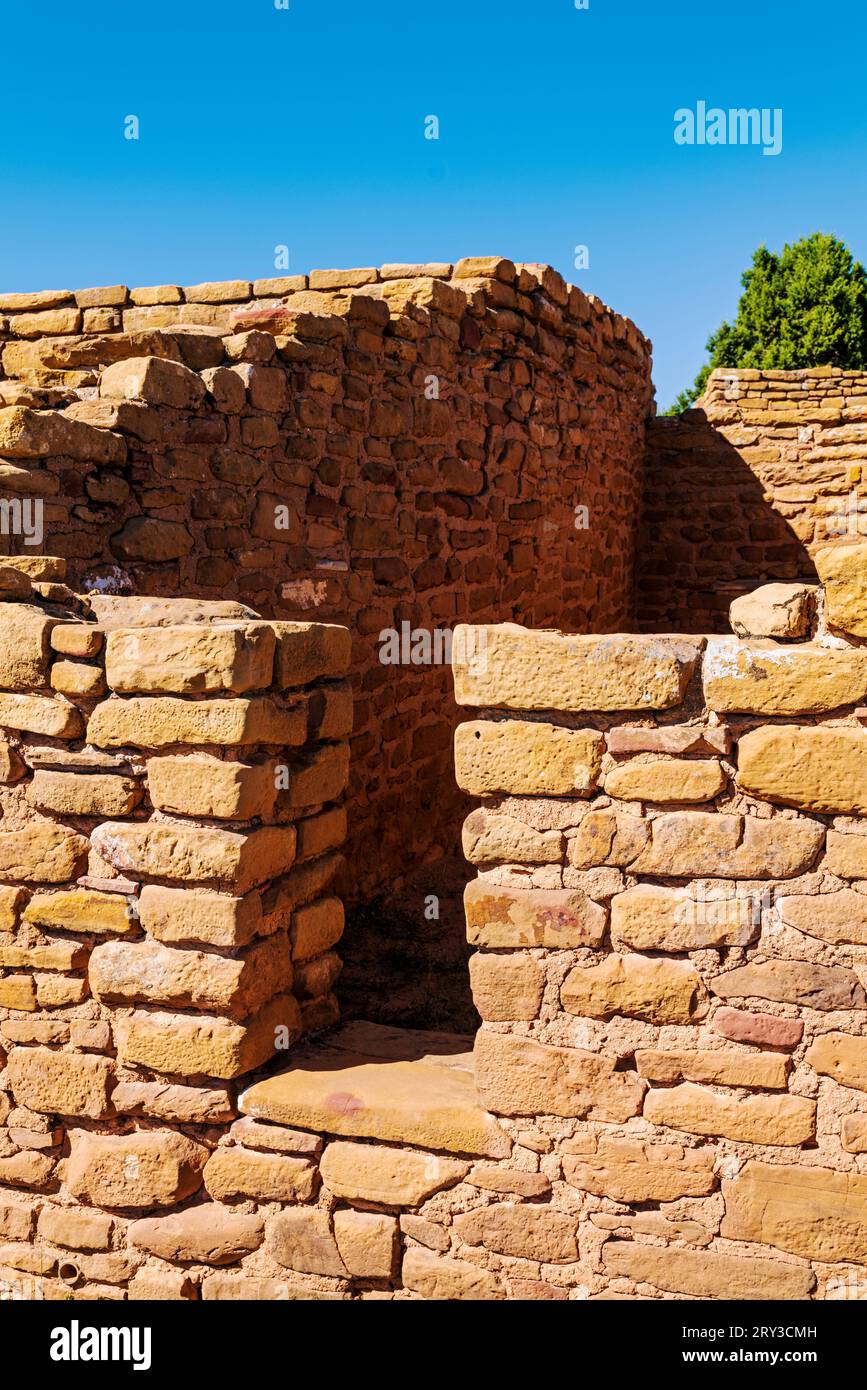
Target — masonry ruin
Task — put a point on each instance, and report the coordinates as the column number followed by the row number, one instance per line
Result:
column 242, row 497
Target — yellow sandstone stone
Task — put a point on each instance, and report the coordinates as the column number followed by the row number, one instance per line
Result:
column 722, row 1068
column 39, row 714
column 148, row 971
column 237, row 1172
column 768, row 678
column 836, row 917
column 60, row 1083
column 25, row 651
column 846, row 855
column 658, row 991
column 215, row 919
column 753, row 1119
column 774, row 610
column 83, row 794
column 702, row 1274
column 516, row 1075
column 41, row 853
column 508, row 917
column 438, row 1278
column 699, row 844
column 199, row 785
column 649, row 918
column 506, row 987
column 627, row 1170
column 238, row 861
column 204, row 1045
column 387, row 1176
column 843, row 572
column 83, row 910
column 149, row 1168
column 512, row 667
column 817, row 1213
column 666, row 779
column 161, row 720
column 841, row 1056
column 526, row 758
column 190, row 659
column 367, row 1242
column 817, row 769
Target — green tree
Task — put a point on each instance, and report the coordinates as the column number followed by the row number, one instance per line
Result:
column 806, row 307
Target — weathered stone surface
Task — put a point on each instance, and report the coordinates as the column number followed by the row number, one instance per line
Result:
column 233, row 860
column 52, row 955
column 793, row 982
column 150, row 1168
column 150, row 972
column 83, row 910
column 376, row 1093
column 506, row 986
column 699, row 844
column 817, row 769
column 40, row 714
column 308, row 651
column 814, row 1212
column 196, row 1105
column 78, row 679
column 10, row 902
column 388, row 1176
column 155, row 380
column 27, row 1169
column 159, row 722
column 659, row 991
column 437, row 1278
column 767, row 678
column 493, row 839
column 649, row 918
column 238, row 1172
column 28, row 433
column 190, row 660
column 119, row 610
column 843, row 572
column 41, row 853
column 18, row 992
column 367, row 1242
column 702, row 1274
column 669, row 738
column 722, row 1068
column 774, row 610
column 511, row 667
column 841, row 1056
column 83, row 794
column 853, row 1133
column 836, row 917
column 608, row 837
column 492, row 1178
column 528, row 1232
column 526, row 758
column 754, row 1119
column 630, row 1171
column 666, row 779
column 79, row 1230
column 303, row 1240
column 316, row 928
column 207, row 1233
column 204, row 1045
column 764, row 1030
column 275, row 1138
column 59, row 1083
column 322, row 776
column 214, row 919
column 515, row 1075
column 25, row 655
column 846, row 855
column 508, row 917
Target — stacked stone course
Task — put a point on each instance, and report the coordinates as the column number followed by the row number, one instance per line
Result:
column 426, row 432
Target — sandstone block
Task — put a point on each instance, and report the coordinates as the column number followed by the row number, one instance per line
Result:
column 658, row 991
column 190, row 659
column 161, row 721
column 12, row 769
column 150, row 972
column 528, row 1232
column 83, row 794
column 161, row 1285
column 783, row 611
column 78, row 679
column 367, row 1243
column 59, row 1083
column 698, row 844
column 526, row 758
column 817, row 1213
column 766, row 678
column 841, row 1056
column 511, row 667
column 27, row 1169
column 74, row 639
column 16, row 1219
column 853, row 1133
column 702, row 1274
column 25, row 657
column 322, row 776
column 499, row 1179
column 666, row 779
column 387, row 1176
column 275, row 1138
column 721, row 1068
column 669, row 738
column 149, row 1168
column 836, row 917
column 793, row 982
column 26, row 433
column 630, row 1171
column 233, row 860
column 194, row 1105
column 155, row 380
column 752, row 1119
column 817, row 769
column 208, row 1234
column 303, row 1240
column 53, row 955
column 83, row 910
column 435, row 1277
column 150, row 540
column 608, row 837
column 309, row 651
column 199, row 785
column 846, row 855
column 40, row 714
column 764, row 1030
column 18, row 992
column 10, row 902
column 214, row 919
column 506, row 987
column 316, row 928
column 514, row 1075
column 648, row 918
column 41, row 853
column 204, row 1045
column 843, row 572
column 492, row 839
column 507, row 917
column 78, row 1230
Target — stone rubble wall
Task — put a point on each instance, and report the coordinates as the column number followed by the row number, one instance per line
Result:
column 670, row 923
column 370, row 447
column 171, row 815
column 745, row 488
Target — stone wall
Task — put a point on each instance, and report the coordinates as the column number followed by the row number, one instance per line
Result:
column 398, row 449
column 172, row 777
column 670, row 920
column 745, row 488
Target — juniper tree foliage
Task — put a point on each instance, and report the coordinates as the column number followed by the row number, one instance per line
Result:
column 806, row 307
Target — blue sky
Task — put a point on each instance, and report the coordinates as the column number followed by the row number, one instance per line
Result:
column 304, row 127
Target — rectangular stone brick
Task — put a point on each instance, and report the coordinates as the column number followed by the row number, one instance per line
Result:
column 513, row 1074
column 150, row 972
column 703, row 1274
column 196, row 784
column 191, row 915
column 60, row 1083
column 203, row 1045
column 754, row 1119
column 526, row 758
column 235, row 861
column 816, row 1213
column 190, row 659
column 508, row 917
column 161, row 720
